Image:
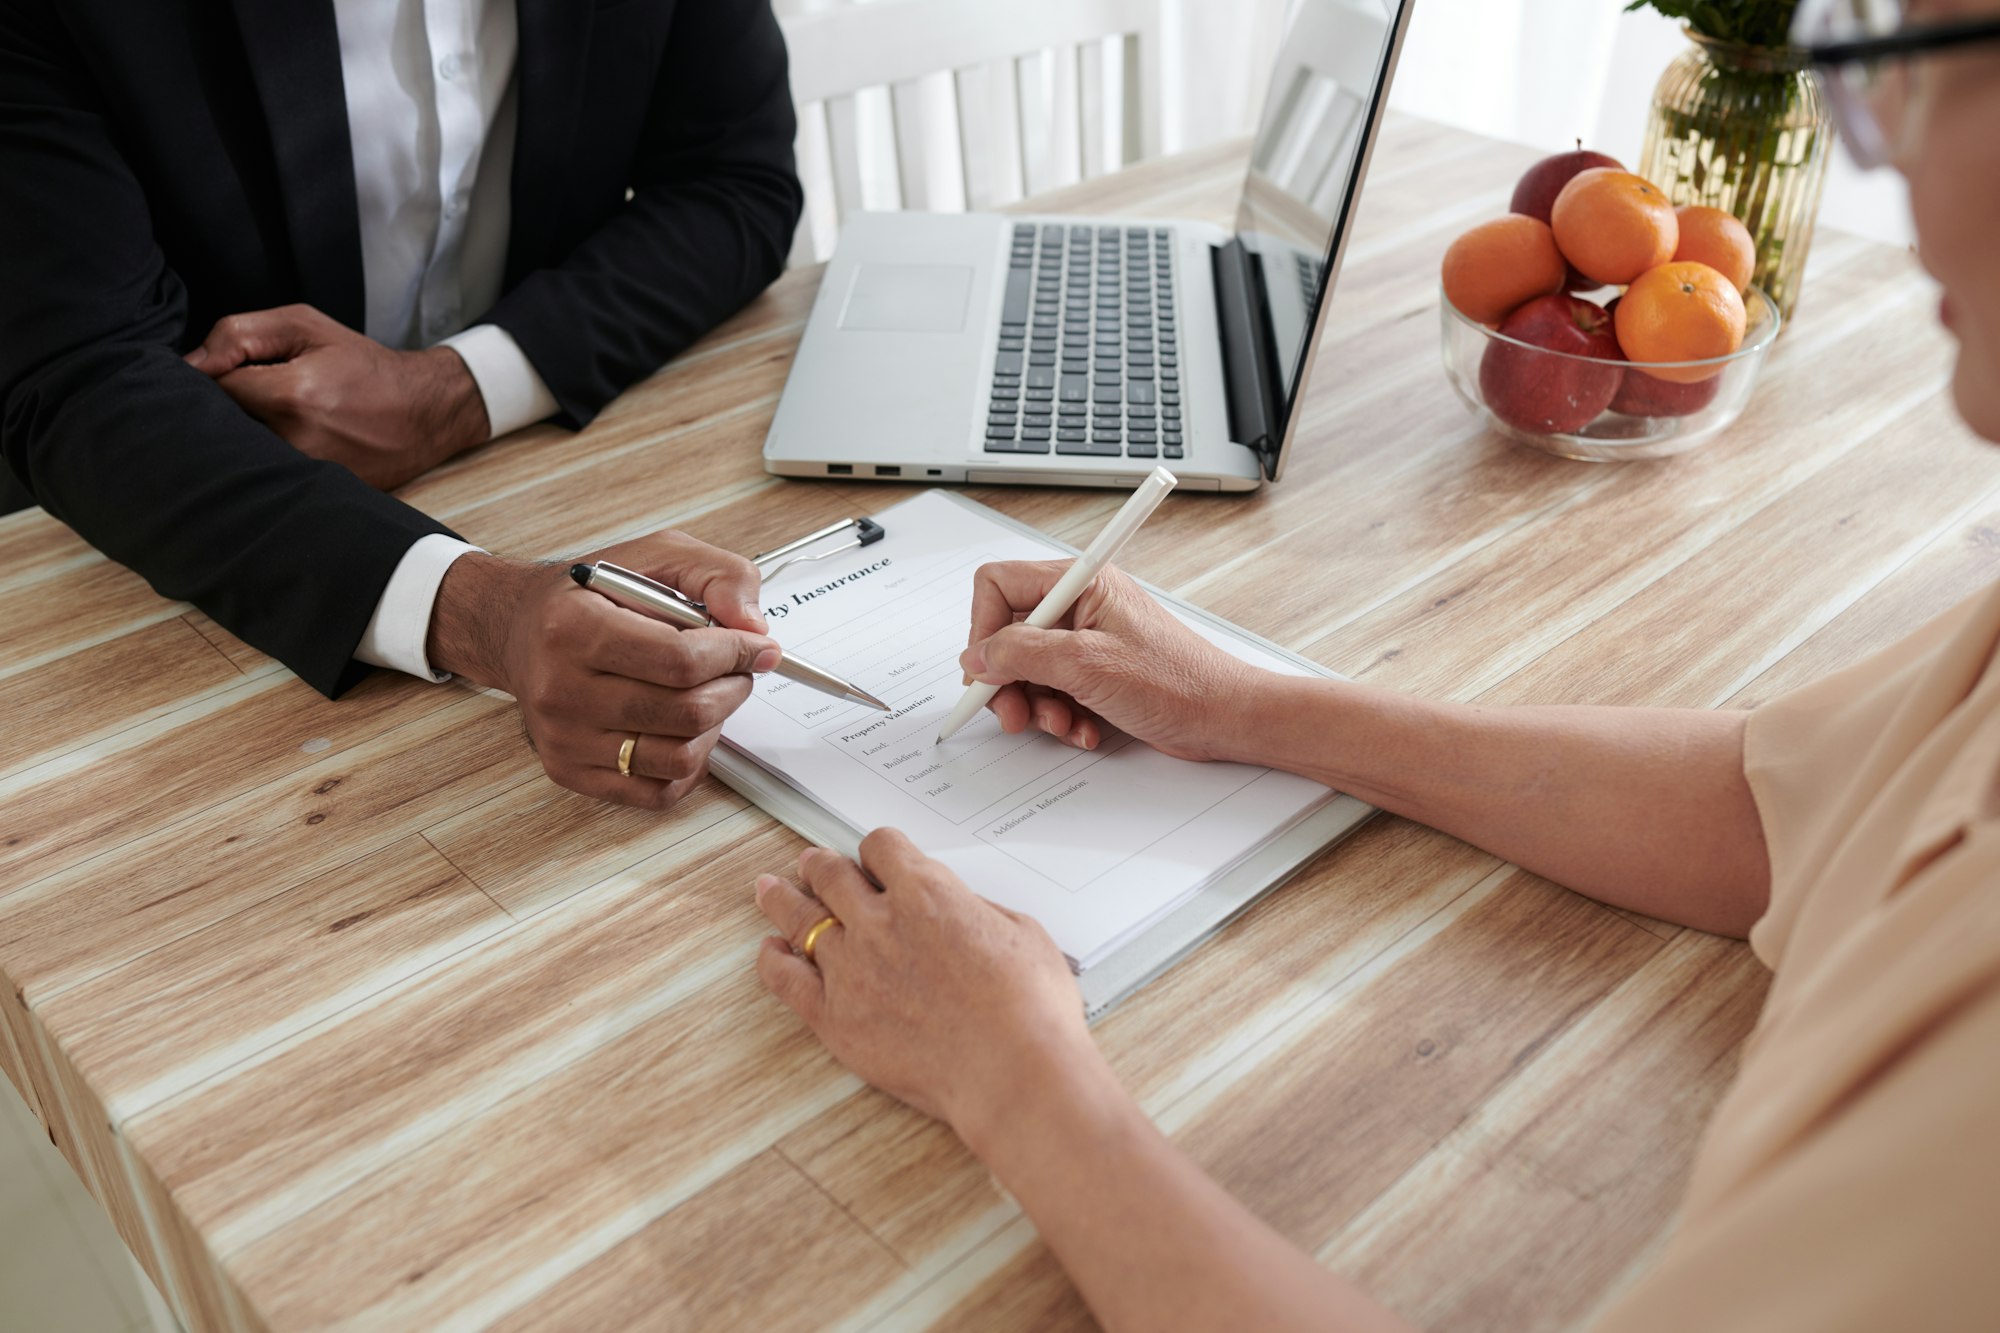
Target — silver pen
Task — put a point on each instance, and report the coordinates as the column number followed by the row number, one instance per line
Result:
column 636, row 592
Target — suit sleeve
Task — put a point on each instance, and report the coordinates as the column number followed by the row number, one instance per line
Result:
column 715, row 201
column 109, row 431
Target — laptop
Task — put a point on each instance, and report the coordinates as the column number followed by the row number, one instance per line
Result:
column 1071, row 351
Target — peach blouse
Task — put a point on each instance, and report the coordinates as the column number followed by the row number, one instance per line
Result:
column 1851, row 1177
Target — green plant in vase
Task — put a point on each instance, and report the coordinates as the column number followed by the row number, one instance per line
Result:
column 1740, row 123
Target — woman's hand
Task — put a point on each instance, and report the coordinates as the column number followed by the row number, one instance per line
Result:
column 926, row 990
column 967, row 1012
column 1118, row 657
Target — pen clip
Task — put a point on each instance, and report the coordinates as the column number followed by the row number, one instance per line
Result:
column 866, row 533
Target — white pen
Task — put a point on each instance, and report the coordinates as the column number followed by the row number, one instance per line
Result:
column 1070, row 586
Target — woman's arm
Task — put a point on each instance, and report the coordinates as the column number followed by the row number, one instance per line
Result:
column 1151, row 1241
column 968, row 1012
column 1643, row 808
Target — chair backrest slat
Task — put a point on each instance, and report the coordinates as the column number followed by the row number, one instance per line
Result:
column 1093, row 77
column 989, row 133
column 1144, row 85
column 844, row 140
column 913, row 175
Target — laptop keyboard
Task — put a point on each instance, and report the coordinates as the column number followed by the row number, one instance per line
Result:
column 1089, row 359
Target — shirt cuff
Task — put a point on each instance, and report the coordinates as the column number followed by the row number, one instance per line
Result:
column 401, row 625
column 515, row 395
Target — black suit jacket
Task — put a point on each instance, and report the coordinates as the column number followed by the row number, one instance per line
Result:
column 164, row 163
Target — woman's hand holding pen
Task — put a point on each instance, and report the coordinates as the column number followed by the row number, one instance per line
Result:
column 590, row 675
column 1118, row 658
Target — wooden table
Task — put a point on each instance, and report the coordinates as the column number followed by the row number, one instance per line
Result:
column 344, row 1013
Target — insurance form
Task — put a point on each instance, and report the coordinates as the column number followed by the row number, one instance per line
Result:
column 1094, row 844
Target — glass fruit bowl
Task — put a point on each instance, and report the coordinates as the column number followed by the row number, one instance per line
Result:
column 1603, row 410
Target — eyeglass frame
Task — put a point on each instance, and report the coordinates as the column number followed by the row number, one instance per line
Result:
column 1919, row 39
column 1859, row 122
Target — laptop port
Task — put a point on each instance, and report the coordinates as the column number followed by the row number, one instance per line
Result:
column 840, row 469
column 895, row 471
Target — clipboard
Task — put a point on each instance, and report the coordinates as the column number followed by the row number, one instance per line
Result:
column 1165, row 941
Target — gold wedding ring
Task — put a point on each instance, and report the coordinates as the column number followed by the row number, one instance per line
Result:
column 625, row 756
column 812, row 936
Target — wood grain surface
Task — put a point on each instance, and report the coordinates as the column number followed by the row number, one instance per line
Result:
column 348, row 1017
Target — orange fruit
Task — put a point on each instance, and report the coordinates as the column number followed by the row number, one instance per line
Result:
column 1500, row 264
column 1714, row 237
column 1614, row 225
column 1680, row 312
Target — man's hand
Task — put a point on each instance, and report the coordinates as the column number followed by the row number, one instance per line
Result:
column 336, row 394
column 590, row 675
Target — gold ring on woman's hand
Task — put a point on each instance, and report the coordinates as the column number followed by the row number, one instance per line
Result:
column 811, row 941
column 625, row 756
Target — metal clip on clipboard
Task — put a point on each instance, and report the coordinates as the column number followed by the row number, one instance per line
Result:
column 866, row 533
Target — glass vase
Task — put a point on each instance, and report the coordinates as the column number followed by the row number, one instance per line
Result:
column 1745, row 129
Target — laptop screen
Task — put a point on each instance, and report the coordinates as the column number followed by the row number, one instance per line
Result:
column 1326, row 87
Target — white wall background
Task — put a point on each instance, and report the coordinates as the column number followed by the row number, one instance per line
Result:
column 1541, row 72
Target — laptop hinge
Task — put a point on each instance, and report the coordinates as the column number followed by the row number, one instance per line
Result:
column 1249, row 360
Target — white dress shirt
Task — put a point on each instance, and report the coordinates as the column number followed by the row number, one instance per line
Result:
column 431, row 98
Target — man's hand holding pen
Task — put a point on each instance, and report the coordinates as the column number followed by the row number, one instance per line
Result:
column 597, row 682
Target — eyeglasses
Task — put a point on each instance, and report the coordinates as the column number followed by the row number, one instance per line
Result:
column 1864, row 51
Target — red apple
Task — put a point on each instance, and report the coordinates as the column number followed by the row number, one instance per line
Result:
column 1643, row 395
column 1545, row 394
column 1535, row 194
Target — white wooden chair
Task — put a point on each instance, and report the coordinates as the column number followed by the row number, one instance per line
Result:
column 988, row 100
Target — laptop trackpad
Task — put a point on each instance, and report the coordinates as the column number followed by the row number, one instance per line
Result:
column 907, row 298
